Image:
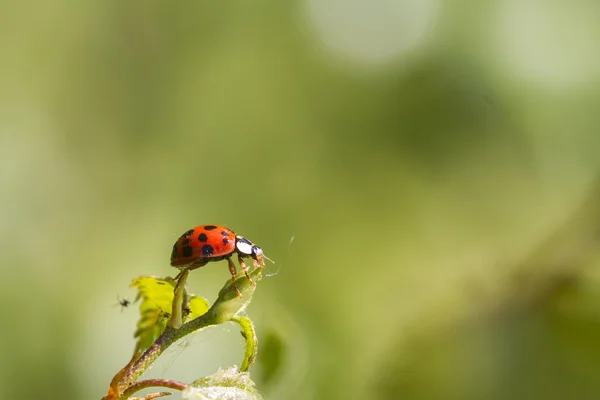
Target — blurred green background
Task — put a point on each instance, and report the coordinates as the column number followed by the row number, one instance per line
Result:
column 416, row 168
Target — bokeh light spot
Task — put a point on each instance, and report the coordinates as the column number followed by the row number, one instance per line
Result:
column 372, row 32
column 552, row 45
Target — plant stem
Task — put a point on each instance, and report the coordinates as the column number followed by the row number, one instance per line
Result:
column 153, row 383
column 168, row 337
column 251, row 339
column 175, row 320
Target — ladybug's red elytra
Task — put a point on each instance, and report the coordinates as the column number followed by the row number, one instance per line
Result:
column 205, row 243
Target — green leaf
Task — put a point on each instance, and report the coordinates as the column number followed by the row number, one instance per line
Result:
column 197, row 306
column 157, row 298
column 227, row 384
column 229, row 304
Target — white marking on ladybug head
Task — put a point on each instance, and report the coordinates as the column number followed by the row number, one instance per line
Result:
column 243, row 246
column 257, row 252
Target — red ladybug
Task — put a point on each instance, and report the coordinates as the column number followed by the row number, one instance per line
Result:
column 205, row 243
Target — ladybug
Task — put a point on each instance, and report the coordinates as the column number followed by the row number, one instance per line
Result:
column 205, row 243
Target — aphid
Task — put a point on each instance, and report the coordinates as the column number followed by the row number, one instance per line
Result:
column 162, row 315
column 124, row 303
column 203, row 244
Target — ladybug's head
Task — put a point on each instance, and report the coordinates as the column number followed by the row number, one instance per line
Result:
column 246, row 247
column 257, row 254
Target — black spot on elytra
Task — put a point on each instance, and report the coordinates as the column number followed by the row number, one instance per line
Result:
column 225, row 233
column 225, row 240
column 189, row 233
column 202, row 237
column 207, row 250
column 209, row 227
column 187, row 251
column 185, row 242
column 174, row 253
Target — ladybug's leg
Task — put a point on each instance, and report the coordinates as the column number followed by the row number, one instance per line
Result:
column 245, row 268
column 258, row 263
column 179, row 274
column 233, row 273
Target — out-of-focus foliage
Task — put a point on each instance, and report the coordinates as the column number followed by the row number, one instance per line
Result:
column 407, row 164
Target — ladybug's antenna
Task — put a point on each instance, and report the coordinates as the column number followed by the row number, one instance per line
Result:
column 268, row 259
